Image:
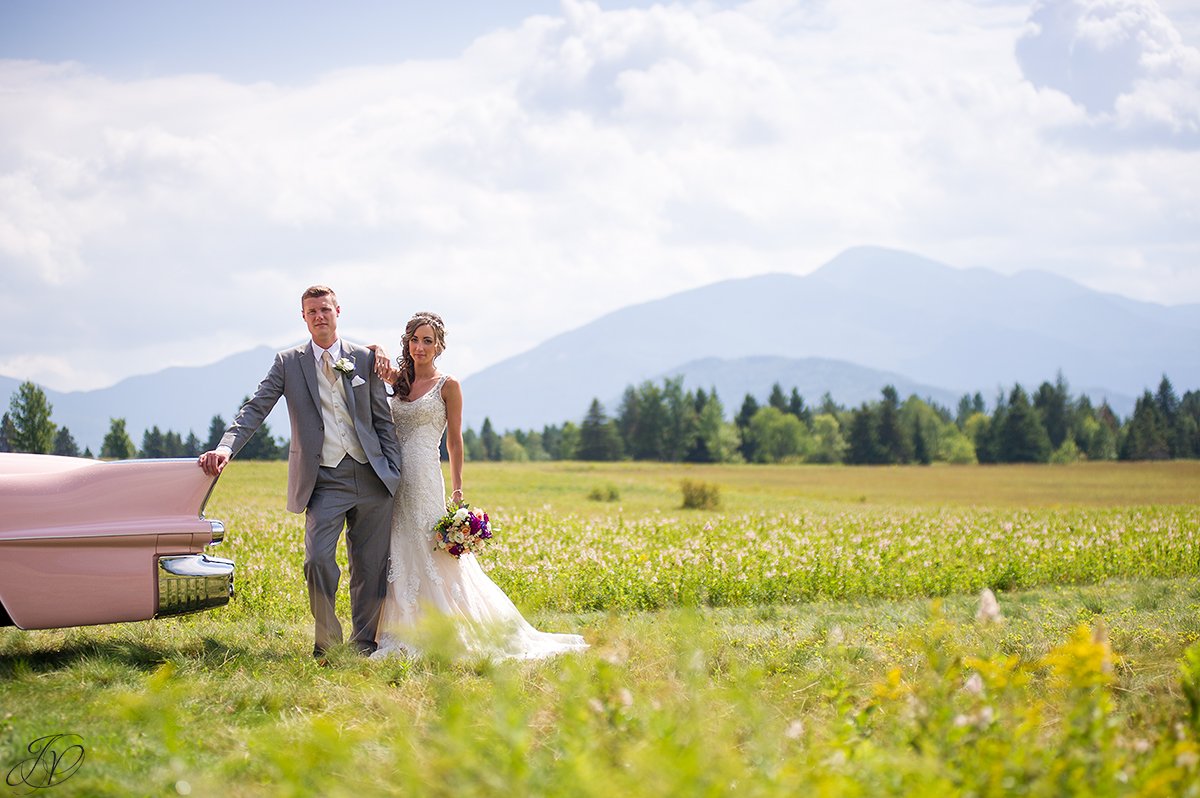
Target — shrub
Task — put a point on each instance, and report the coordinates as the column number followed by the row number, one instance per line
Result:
column 700, row 495
column 606, row 493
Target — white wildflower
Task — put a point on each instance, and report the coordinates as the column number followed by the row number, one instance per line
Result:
column 989, row 608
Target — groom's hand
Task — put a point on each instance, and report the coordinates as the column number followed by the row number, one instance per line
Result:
column 213, row 462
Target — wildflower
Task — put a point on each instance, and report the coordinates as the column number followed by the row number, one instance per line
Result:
column 795, row 730
column 989, row 608
column 974, row 684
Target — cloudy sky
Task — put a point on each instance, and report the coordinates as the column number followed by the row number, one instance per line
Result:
column 172, row 175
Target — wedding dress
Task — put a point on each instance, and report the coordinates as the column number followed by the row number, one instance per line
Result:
column 424, row 581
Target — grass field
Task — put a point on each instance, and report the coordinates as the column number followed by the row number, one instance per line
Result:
column 816, row 632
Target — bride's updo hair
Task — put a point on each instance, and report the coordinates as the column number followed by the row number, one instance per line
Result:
column 407, row 368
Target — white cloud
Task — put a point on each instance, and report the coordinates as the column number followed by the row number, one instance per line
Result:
column 1122, row 60
column 569, row 166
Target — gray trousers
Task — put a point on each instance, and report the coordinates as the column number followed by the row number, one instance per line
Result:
column 349, row 494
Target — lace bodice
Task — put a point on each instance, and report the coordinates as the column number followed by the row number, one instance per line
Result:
column 421, row 422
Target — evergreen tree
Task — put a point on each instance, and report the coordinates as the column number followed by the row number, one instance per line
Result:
column 33, row 431
column 921, row 453
column 152, row 444
column 1168, row 406
column 628, row 418
column 1189, row 424
column 742, row 420
column 598, row 435
column 796, row 408
column 191, row 446
column 490, row 440
column 7, row 430
column 1167, row 401
column 777, row 400
column 988, row 436
column 552, row 441
column 1052, row 404
column 173, row 444
column 650, row 436
column 828, row 406
column 964, row 410
column 87, row 452
column 1146, row 435
column 216, row 429
column 64, row 444
column 117, row 444
column 681, row 426
column 1022, row 438
column 862, row 441
column 894, row 442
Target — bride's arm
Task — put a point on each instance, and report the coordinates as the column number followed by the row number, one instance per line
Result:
column 383, row 366
column 452, row 396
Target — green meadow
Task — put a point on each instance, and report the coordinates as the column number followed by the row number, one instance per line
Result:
column 817, row 632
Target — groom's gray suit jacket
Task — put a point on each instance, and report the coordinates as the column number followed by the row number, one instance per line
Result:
column 293, row 376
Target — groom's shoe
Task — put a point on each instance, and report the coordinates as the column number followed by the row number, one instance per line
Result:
column 364, row 648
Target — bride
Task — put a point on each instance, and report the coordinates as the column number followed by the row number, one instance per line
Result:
column 426, row 584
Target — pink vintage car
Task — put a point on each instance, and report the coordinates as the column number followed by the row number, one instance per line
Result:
column 86, row 542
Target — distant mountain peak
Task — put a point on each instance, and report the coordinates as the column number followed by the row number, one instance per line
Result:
column 962, row 330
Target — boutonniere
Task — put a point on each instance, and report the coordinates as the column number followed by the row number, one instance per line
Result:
column 344, row 365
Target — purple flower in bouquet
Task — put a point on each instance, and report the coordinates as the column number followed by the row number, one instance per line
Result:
column 462, row 530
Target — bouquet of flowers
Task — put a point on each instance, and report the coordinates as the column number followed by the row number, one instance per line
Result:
column 462, row 530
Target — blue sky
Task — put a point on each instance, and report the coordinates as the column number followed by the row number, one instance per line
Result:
column 273, row 40
column 172, row 174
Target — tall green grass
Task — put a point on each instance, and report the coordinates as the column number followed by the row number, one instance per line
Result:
column 787, row 645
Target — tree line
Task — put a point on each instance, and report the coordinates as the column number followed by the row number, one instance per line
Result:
column 664, row 422
column 28, row 426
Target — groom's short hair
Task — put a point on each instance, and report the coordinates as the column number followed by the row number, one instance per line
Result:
column 314, row 291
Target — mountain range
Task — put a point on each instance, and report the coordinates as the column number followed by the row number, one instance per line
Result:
column 867, row 318
column 963, row 330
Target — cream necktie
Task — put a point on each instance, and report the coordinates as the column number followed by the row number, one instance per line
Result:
column 327, row 367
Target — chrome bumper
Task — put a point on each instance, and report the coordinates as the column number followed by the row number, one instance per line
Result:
column 193, row 582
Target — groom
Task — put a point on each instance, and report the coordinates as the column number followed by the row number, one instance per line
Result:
column 343, row 465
